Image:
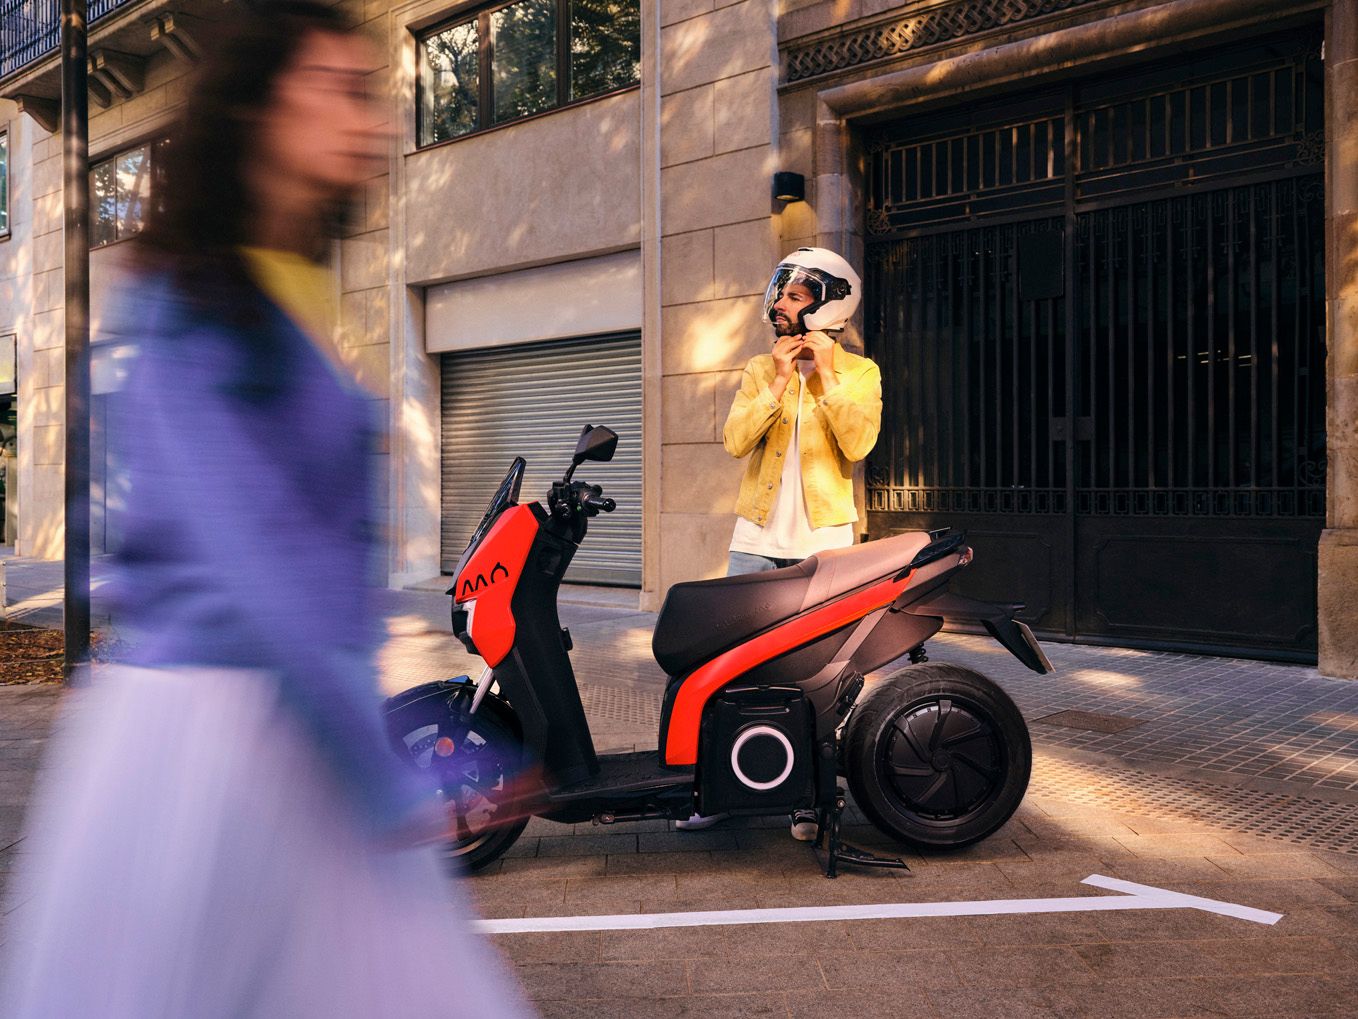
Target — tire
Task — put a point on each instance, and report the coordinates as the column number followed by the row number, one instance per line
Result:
column 486, row 755
column 938, row 756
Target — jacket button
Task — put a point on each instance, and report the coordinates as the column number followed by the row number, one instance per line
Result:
column 784, row 420
column 770, row 488
column 778, row 453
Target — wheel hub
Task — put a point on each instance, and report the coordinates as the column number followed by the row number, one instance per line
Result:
column 943, row 759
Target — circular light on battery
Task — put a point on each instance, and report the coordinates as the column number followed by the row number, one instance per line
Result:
column 443, row 746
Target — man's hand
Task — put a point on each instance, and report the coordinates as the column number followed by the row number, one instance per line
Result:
column 822, row 348
column 785, row 352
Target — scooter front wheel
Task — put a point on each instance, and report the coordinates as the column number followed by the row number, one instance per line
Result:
column 938, row 756
column 476, row 759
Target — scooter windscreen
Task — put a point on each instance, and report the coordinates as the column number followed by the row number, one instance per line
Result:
column 505, row 496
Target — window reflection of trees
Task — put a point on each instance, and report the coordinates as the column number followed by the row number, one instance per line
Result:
column 451, row 83
column 120, row 193
column 540, row 54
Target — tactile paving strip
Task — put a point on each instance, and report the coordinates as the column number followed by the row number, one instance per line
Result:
column 1316, row 824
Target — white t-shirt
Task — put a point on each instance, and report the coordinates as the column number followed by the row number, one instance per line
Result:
column 788, row 534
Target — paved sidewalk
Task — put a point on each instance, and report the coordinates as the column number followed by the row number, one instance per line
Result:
column 1231, row 780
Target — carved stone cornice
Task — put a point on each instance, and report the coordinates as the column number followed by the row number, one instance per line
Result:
column 941, row 24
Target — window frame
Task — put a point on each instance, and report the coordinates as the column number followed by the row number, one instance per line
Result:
column 6, row 231
column 485, row 70
column 151, row 142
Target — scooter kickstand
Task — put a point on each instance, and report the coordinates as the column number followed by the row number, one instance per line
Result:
column 831, row 855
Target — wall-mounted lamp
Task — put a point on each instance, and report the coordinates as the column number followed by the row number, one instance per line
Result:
column 789, row 187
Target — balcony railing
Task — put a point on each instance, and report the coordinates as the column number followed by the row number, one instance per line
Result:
column 31, row 29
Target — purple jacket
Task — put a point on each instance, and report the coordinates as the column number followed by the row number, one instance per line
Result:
column 247, row 536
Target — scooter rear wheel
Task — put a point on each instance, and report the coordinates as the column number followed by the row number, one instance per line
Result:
column 476, row 758
column 938, row 756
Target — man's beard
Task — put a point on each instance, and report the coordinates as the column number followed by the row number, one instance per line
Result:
column 785, row 327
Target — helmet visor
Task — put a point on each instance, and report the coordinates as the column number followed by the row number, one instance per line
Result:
column 821, row 285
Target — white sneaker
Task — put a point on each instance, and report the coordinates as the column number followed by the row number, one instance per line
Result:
column 698, row 822
column 805, row 825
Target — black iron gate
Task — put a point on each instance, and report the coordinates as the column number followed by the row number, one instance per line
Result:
column 1099, row 316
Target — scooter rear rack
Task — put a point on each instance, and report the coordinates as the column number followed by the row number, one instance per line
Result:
column 830, row 851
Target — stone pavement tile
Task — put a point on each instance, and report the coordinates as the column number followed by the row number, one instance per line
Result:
column 936, row 878
column 1020, row 966
column 1073, row 866
column 660, row 863
column 996, row 1003
column 1167, row 959
column 1042, row 826
column 604, row 895
column 1345, row 886
column 523, row 847
column 1145, row 997
column 572, row 980
column 734, row 975
column 1281, row 954
column 1051, row 929
column 587, row 845
column 1144, row 926
column 685, row 841
column 721, row 882
column 1105, row 847
column 1283, row 996
column 911, row 933
column 1275, row 896
column 1250, row 844
column 1280, row 866
column 1345, row 862
column 734, row 1006
column 889, row 972
column 700, row 903
column 663, row 943
column 538, row 826
column 818, row 891
column 537, row 868
column 902, row 1002
column 549, row 946
column 532, row 897
column 1166, row 873
column 1169, row 845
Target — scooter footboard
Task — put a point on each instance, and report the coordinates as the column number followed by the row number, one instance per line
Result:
column 998, row 621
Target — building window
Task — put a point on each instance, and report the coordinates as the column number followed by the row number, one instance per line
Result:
column 522, row 58
column 4, row 183
column 120, row 192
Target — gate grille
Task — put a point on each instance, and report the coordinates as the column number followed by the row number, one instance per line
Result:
column 1099, row 313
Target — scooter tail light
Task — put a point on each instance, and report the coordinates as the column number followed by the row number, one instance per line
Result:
column 964, row 557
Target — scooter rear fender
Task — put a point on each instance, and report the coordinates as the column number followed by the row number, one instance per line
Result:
column 998, row 621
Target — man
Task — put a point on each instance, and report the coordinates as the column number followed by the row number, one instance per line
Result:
column 805, row 414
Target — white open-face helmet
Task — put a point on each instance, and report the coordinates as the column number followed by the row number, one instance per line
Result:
column 834, row 286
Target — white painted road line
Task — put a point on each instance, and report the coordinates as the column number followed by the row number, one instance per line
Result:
column 1136, row 897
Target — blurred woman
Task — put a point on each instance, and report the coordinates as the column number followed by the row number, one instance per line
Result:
column 223, row 828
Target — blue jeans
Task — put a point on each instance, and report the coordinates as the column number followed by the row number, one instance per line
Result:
column 747, row 562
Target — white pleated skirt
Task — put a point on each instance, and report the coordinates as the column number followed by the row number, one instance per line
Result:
column 186, row 856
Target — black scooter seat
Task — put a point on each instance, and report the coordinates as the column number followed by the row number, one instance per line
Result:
column 704, row 617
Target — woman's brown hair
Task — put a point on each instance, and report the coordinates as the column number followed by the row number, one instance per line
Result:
column 200, row 208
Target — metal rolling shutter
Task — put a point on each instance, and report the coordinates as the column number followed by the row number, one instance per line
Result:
column 532, row 401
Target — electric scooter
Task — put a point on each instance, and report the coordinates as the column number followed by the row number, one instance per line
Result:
column 764, row 711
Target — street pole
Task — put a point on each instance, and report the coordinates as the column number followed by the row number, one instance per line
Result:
column 76, row 201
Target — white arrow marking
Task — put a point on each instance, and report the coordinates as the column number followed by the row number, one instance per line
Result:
column 1136, row 897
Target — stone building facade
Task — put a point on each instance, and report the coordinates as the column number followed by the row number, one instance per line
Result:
column 648, row 212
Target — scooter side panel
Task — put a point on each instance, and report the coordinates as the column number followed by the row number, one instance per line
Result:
column 692, row 695
column 489, row 579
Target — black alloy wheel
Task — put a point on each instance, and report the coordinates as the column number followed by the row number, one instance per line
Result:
column 938, row 756
column 476, row 758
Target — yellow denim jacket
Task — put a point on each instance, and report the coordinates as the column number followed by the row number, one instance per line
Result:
column 840, row 429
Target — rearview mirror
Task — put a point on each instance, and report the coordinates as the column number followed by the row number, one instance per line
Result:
column 596, row 443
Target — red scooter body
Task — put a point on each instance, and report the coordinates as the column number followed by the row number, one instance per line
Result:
column 765, row 671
